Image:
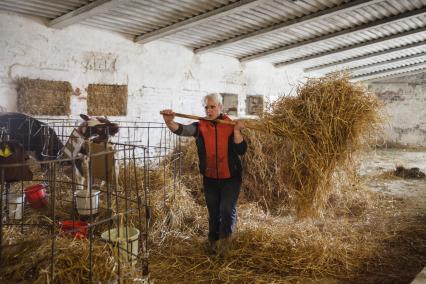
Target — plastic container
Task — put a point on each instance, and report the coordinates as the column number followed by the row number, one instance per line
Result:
column 127, row 238
column 83, row 200
column 15, row 203
column 78, row 229
column 36, row 196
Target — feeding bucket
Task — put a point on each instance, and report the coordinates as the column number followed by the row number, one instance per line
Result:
column 15, row 203
column 36, row 196
column 127, row 239
column 84, row 200
column 77, row 229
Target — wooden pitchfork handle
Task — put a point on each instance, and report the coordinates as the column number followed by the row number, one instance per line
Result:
column 229, row 122
column 253, row 126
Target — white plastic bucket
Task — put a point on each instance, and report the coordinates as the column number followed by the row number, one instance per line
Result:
column 15, row 203
column 127, row 238
column 82, row 200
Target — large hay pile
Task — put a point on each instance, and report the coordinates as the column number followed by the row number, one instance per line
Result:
column 378, row 245
column 307, row 139
column 44, row 97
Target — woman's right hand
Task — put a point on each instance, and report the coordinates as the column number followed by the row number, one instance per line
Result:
column 168, row 115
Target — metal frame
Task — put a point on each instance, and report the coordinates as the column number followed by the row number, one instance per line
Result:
column 136, row 202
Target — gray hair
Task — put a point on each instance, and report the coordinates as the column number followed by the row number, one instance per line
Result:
column 216, row 97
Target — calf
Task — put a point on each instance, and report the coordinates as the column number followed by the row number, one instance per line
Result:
column 12, row 153
column 97, row 129
column 90, row 137
column 35, row 136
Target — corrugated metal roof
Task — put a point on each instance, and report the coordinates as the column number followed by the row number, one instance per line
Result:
column 359, row 53
column 140, row 17
column 354, row 38
column 390, row 66
column 43, row 8
column 250, row 20
column 400, row 70
column 308, row 32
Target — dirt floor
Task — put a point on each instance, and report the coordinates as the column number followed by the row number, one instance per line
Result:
column 377, row 166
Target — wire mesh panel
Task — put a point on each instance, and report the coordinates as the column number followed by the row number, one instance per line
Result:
column 90, row 212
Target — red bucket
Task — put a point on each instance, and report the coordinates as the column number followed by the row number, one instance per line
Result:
column 77, row 229
column 35, row 195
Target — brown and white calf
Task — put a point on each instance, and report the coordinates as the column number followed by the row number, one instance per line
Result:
column 90, row 143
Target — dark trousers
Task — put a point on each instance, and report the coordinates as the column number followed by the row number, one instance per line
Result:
column 221, row 198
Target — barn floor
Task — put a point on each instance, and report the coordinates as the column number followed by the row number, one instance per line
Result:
column 378, row 239
column 382, row 161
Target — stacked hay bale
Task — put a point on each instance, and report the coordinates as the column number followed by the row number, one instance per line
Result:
column 105, row 99
column 44, row 97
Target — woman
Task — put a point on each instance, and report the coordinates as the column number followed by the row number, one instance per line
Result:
column 219, row 147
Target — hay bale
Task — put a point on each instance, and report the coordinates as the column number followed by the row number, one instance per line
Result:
column 105, row 99
column 309, row 137
column 44, row 97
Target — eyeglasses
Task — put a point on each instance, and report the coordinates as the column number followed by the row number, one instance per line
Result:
column 210, row 107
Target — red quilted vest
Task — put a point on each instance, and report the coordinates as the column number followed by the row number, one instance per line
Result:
column 216, row 137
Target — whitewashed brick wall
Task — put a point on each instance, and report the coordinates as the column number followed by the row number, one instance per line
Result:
column 159, row 75
column 405, row 106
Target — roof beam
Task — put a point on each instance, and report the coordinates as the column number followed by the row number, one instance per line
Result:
column 198, row 20
column 288, row 24
column 87, row 11
column 394, row 60
column 398, row 75
column 351, row 59
column 365, row 26
column 391, row 70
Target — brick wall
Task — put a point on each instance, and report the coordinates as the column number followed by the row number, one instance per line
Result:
column 405, row 106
